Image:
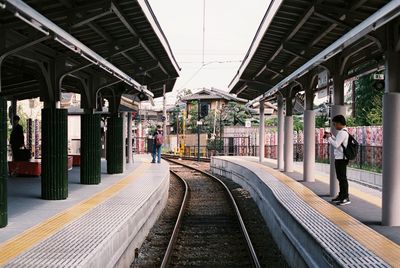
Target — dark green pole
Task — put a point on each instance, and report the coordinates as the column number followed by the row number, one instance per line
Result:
column 114, row 150
column 3, row 163
column 54, row 153
column 90, row 148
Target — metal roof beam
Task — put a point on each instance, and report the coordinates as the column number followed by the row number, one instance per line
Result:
column 117, row 10
column 388, row 12
column 92, row 17
column 38, row 21
column 65, row 3
column 300, row 22
column 256, row 82
column 70, row 12
column 97, row 29
column 303, row 19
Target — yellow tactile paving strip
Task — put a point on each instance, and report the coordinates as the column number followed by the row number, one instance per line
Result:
column 377, row 243
column 372, row 199
column 24, row 241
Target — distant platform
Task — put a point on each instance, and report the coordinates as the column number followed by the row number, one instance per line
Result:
column 97, row 226
column 309, row 230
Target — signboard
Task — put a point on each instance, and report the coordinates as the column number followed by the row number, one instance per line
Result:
column 379, row 77
column 322, row 93
column 199, row 123
column 247, row 123
column 323, row 79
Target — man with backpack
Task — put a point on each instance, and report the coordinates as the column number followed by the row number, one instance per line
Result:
column 345, row 148
column 158, row 142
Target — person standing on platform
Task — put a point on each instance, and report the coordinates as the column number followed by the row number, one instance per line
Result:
column 16, row 138
column 339, row 143
column 158, row 142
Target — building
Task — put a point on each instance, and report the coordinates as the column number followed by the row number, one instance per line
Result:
column 215, row 98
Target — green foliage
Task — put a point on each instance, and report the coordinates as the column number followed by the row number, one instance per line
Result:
column 173, row 119
column 23, row 117
column 215, row 144
column 321, row 121
column 192, row 117
column 182, row 93
column 235, row 114
column 368, row 102
column 351, row 122
column 297, row 124
column 209, row 121
column 271, row 122
column 151, row 130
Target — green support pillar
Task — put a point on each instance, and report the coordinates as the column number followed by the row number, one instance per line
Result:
column 114, row 150
column 54, row 154
column 3, row 163
column 90, row 149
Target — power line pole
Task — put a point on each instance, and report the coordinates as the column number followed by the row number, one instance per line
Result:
column 198, row 130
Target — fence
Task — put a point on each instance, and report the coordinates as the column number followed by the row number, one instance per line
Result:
column 368, row 157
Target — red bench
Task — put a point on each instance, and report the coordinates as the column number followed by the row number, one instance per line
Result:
column 30, row 168
column 76, row 159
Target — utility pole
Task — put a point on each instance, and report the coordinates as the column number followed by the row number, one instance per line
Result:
column 177, row 132
column 220, row 131
column 165, row 112
column 198, row 131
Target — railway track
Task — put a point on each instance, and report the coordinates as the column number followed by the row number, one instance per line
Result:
column 194, row 158
column 209, row 229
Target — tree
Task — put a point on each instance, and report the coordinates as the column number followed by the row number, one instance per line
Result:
column 321, row 121
column 368, row 102
column 192, row 117
column 176, row 111
column 297, row 124
column 236, row 114
column 182, row 93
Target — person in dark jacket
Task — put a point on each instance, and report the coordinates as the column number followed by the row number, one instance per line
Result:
column 158, row 142
column 16, row 137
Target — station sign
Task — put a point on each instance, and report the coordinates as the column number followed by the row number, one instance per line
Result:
column 322, row 93
column 379, row 77
column 323, row 79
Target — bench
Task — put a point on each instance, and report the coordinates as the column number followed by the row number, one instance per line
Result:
column 76, row 162
column 30, row 168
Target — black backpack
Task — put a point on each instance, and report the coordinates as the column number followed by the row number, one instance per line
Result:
column 351, row 151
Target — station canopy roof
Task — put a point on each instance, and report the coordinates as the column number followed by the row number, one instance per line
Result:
column 292, row 32
column 124, row 32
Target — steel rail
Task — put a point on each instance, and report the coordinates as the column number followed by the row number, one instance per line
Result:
column 32, row 17
column 174, row 236
column 250, row 247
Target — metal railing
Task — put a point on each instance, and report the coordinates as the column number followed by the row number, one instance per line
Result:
column 368, row 157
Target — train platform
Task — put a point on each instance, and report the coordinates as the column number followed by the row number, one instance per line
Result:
column 309, row 229
column 97, row 226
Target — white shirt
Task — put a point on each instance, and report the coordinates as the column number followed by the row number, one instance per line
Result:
column 342, row 137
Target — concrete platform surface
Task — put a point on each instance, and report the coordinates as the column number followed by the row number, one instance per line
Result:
column 97, row 226
column 366, row 201
column 310, row 231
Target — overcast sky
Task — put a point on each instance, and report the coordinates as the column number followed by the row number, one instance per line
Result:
column 230, row 28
